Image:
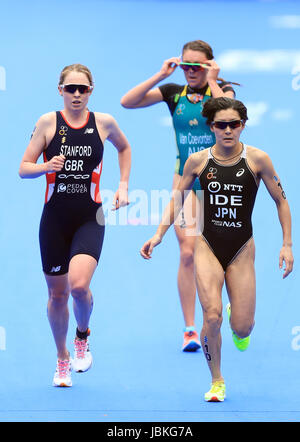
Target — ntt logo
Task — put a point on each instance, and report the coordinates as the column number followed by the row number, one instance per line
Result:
column 2, row 79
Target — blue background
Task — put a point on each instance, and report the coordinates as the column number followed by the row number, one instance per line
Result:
column 140, row 373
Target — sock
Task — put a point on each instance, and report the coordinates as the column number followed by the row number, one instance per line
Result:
column 82, row 335
column 189, row 329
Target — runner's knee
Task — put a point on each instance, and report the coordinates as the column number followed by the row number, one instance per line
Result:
column 58, row 295
column 187, row 256
column 79, row 288
column 213, row 320
column 242, row 329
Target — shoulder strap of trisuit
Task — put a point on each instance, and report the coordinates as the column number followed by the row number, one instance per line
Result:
column 183, row 93
column 208, row 91
column 244, row 153
column 209, row 154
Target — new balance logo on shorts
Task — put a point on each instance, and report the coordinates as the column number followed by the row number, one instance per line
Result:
column 56, row 269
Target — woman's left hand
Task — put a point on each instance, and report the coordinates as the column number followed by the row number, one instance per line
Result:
column 213, row 70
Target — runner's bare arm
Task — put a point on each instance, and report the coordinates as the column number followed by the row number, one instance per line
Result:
column 38, row 143
column 143, row 95
column 275, row 189
column 114, row 134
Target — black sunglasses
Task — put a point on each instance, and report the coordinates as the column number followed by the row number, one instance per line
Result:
column 223, row 124
column 82, row 88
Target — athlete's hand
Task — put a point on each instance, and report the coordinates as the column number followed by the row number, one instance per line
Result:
column 55, row 164
column 213, row 70
column 149, row 245
column 120, row 198
column 286, row 255
column 169, row 66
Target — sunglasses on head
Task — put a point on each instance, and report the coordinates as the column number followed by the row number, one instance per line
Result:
column 195, row 67
column 82, row 88
column 223, row 124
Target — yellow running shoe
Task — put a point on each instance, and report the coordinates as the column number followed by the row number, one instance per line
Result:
column 216, row 393
column 241, row 343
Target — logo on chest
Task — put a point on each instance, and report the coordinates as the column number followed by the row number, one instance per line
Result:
column 240, row 172
column 194, row 122
column 89, row 131
column 226, row 203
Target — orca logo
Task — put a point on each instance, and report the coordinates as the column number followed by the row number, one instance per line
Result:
column 214, row 187
column 240, row 172
column 76, row 177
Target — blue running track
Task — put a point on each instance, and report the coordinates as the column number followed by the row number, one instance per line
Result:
column 139, row 372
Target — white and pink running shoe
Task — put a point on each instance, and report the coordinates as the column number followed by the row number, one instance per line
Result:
column 62, row 376
column 82, row 360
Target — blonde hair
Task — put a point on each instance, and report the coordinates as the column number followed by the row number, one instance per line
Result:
column 77, row 68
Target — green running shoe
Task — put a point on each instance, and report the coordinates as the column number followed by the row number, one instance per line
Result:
column 241, row 343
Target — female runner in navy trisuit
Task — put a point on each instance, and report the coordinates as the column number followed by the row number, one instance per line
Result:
column 72, row 227
column 229, row 173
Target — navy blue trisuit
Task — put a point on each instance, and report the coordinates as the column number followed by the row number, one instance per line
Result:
column 72, row 221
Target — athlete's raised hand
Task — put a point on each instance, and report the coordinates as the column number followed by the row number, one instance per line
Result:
column 286, row 256
column 149, row 245
column 213, row 70
column 55, row 164
column 169, row 66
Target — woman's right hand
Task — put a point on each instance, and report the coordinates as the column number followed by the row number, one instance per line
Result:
column 149, row 245
column 55, row 164
column 169, row 66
